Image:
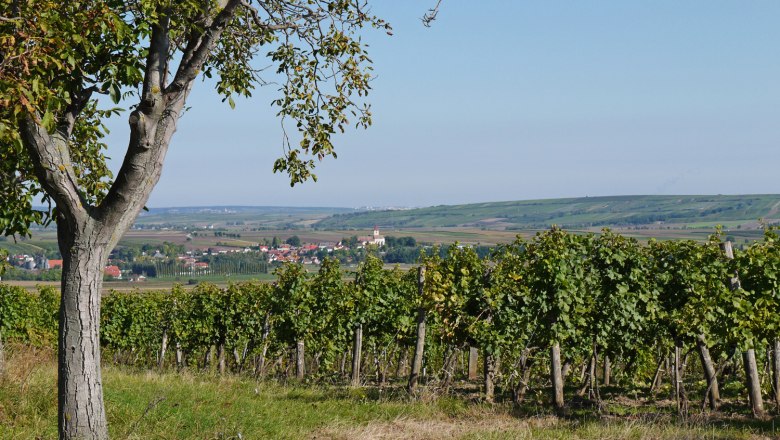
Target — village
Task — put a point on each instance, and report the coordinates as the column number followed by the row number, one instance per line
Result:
column 135, row 264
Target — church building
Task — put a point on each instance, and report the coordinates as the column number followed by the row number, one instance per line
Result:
column 376, row 239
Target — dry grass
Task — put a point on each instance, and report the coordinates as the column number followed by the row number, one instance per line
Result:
column 146, row 404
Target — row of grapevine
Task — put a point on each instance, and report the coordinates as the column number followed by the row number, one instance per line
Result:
column 173, row 269
column 558, row 310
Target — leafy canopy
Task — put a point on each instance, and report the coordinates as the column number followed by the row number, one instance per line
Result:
column 57, row 58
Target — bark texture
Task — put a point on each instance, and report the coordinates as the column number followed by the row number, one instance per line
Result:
column 80, row 385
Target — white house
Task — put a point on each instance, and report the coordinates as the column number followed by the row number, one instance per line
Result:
column 375, row 239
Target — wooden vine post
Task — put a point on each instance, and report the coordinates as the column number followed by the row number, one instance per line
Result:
column 775, row 370
column 490, row 372
column 473, row 355
column 300, row 367
column 357, row 352
column 420, row 345
column 556, row 377
column 749, row 355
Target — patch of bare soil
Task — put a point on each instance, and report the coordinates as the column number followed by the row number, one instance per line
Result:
column 408, row 429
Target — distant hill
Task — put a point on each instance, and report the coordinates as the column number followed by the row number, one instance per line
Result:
column 572, row 213
column 262, row 216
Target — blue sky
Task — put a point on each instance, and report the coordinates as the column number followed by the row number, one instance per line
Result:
column 511, row 100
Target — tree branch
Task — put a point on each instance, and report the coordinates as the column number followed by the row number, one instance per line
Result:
column 431, row 15
column 156, row 62
column 153, row 123
column 289, row 24
column 78, row 101
column 53, row 167
column 198, row 49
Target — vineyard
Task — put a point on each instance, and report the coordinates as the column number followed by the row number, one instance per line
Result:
column 560, row 315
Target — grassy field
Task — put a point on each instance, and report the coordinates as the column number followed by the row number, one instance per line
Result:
column 250, row 216
column 572, row 212
column 147, row 405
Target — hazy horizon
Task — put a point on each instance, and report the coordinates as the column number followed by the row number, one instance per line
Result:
column 239, row 205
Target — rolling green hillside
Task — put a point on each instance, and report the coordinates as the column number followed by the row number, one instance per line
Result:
column 21, row 247
column 257, row 216
column 572, row 212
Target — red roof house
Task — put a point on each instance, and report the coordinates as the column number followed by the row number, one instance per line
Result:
column 113, row 271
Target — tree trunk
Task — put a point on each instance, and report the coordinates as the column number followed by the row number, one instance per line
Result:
column 677, row 378
column 87, row 234
column 241, row 359
column 450, row 362
column 658, row 374
column 565, row 369
column 753, row 382
column 300, row 367
column 208, row 359
column 524, row 384
column 357, row 353
column 525, row 376
column 221, row 361
column 343, row 364
column 607, row 370
column 264, row 351
column 589, row 380
column 377, row 367
column 489, row 375
column 709, row 373
column 556, row 377
column 403, row 358
column 473, row 357
column 775, row 372
column 80, row 385
column 679, row 389
column 383, row 366
column 163, row 349
column 420, row 344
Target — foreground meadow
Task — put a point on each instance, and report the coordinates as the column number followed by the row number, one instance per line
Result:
column 143, row 405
